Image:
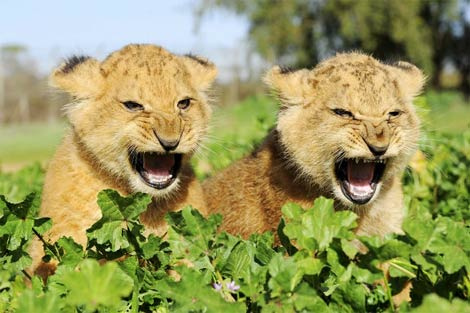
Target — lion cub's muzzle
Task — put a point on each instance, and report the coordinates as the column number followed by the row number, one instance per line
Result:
column 157, row 170
column 359, row 177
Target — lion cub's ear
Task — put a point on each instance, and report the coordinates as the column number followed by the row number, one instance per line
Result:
column 202, row 71
column 291, row 86
column 410, row 79
column 79, row 75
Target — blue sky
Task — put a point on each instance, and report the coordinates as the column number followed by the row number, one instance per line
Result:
column 52, row 29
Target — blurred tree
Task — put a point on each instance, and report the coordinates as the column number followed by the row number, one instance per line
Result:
column 7, row 54
column 302, row 32
column 459, row 51
column 389, row 29
column 440, row 15
column 23, row 92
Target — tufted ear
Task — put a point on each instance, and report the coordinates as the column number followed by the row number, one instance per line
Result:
column 410, row 79
column 80, row 76
column 292, row 87
column 202, row 71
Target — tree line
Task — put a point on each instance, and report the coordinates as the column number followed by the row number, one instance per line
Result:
column 433, row 34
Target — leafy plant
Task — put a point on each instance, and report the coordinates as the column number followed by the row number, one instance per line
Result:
column 316, row 267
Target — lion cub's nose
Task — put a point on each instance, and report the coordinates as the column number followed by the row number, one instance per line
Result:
column 377, row 150
column 168, row 145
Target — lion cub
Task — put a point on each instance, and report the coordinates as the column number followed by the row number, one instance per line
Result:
column 346, row 130
column 137, row 118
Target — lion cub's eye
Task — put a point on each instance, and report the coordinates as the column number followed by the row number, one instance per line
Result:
column 184, row 104
column 343, row 113
column 394, row 113
column 133, row 106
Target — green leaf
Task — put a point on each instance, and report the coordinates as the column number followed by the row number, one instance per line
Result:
column 191, row 294
column 306, row 298
column 71, row 252
column 239, row 261
column 285, row 274
column 94, row 285
column 292, row 211
column 118, row 213
column 29, row 302
column 433, row 303
column 446, row 239
column 310, row 265
column 16, row 260
column 190, row 235
column 320, row 223
column 151, row 246
column 18, row 220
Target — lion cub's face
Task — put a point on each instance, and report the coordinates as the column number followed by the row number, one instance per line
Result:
column 349, row 124
column 140, row 113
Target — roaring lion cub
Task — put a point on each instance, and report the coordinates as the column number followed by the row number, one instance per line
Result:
column 137, row 118
column 346, row 130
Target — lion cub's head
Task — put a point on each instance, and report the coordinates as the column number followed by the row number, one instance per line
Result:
column 349, row 124
column 140, row 113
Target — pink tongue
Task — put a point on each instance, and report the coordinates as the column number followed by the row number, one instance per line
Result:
column 360, row 174
column 158, row 165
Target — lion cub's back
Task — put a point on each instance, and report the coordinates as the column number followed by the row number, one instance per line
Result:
column 250, row 193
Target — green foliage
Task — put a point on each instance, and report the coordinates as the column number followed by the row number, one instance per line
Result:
column 17, row 224
column 119, row 214
column 16, row 186
column 196, row 269
column 318, row 267
column 301, row 33
column 440, row 181
column 235, row 132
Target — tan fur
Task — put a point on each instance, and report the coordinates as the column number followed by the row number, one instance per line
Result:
column 295, row 163
column 94, row 153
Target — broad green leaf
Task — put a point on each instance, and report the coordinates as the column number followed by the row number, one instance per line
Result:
column 16, row 260
column 151, row 246
column 446, row 239
column 118, row 214
column 190, row 235
column 350, row 248
column 190, row 294
column 115, row 206
column 433, row 303
column 72, row 253
column 323, row 223
column 306, row 298
column 292, row 211
column 263, row 247
column 285, row 274
column 239, row 261
column 320, row 223
column 94, row 285
column 18, row 220
column 29, row 302
column 349, row 297
column 310, row 265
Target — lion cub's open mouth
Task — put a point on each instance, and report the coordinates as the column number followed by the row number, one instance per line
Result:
column 158, row 170
column 359, row 177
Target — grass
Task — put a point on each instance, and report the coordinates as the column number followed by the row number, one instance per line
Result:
column 448, row 112
column 235, row 130
column 26, row 143
column 237, row 126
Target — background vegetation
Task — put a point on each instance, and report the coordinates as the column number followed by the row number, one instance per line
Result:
column 194, row 269
column 433, row 34
column 317, row 268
